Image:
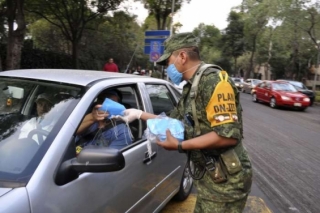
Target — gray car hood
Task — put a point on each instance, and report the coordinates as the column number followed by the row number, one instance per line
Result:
column 4, row 191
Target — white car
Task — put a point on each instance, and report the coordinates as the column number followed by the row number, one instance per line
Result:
column 46, row 175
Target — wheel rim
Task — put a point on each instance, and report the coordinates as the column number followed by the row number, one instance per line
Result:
column 187, row 181
column 254, row 97
column 273, row 102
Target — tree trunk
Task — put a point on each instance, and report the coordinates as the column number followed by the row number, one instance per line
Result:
column 251, row 67
column 0, row 64
column 15, row 37
column 235, row 66
column 75, row 61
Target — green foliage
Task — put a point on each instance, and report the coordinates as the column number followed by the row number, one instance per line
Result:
column 233, row 40
column 161, row 9
column 209, row 44
column 72, row 16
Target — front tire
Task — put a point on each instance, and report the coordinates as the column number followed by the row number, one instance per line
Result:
column 185, row 185
column 273, row 103
column 254, row 97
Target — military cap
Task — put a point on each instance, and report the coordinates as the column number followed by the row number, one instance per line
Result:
column 176, row 42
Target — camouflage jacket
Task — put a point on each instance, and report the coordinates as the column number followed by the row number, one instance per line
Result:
column 238, row 185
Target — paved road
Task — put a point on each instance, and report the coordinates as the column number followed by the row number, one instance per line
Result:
column 284, row 149
column 284, row 146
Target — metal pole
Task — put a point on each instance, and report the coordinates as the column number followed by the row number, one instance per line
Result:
column 172, row 12
column 316, row 70
column 131, row 59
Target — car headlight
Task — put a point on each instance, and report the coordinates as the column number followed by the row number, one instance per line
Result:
column 306, row 99
column 285, row 98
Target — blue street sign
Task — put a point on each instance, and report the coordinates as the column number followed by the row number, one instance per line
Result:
column 147, row 49
column 149, row 40
column 157, row 33
column 155, row 47
column 155, row 39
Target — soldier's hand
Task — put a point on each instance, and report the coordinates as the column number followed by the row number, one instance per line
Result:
column 171, row 143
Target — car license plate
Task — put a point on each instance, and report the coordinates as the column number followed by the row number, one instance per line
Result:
column 297, row 104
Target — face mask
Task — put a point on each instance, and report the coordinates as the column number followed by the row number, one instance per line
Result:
column 174, row 74
column 112, row 107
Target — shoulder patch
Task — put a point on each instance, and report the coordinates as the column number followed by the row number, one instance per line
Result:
column 221, row 108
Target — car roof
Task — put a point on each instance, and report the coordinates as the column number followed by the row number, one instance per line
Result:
column 70, row 76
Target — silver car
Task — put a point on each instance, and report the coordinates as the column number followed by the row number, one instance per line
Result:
column 40, row 170
column 249, row 85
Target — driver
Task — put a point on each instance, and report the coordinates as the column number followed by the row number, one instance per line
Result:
column 44, row 103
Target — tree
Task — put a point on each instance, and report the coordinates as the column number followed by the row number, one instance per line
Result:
column 72, row 16
column 13, row 11
column 254, row 23
column 161, row 9
column 233, row 38
column 209, row 42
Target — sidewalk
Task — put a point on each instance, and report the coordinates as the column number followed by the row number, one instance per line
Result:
column 257, row 202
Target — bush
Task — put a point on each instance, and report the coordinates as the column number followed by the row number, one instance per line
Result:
column 317, row 96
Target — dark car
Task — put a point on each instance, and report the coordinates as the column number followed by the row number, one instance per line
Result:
column 302, row 88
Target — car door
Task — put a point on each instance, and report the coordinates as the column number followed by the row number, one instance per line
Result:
column 260, row 91
column 268, row 92
column 246, row 86
column 172, row 163
column 131, row 189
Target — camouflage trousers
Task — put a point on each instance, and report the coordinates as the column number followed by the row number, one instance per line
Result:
column 208, row 206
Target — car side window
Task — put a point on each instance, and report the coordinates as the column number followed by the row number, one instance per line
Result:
column 268, row 86
column 113, row 133
column 161, row 99
column 176, row 93
column 262, row 85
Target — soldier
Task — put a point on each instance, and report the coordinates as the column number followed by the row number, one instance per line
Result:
column 211, row 111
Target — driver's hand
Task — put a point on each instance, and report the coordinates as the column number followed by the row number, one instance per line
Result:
column 99, row 115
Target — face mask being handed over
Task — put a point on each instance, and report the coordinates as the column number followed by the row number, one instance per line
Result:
column 174, row 74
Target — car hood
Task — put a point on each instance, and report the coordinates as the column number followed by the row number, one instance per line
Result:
column 4, row 191
column 292, row 94
column 306, row 91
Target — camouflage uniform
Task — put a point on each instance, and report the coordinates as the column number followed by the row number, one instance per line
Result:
column 230, row 196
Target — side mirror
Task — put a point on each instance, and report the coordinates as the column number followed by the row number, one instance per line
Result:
column 98, row 159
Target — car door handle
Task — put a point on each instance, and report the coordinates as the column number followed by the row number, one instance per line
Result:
column 147, row 159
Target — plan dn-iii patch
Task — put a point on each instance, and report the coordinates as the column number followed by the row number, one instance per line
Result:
column 221, row 108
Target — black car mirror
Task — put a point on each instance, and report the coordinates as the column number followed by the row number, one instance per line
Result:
column 98, row 159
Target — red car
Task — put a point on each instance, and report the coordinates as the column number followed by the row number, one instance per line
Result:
column 278, row 93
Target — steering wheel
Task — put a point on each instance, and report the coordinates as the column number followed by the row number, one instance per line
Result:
column 40, row 135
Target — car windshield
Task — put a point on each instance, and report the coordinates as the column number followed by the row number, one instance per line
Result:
column 298, row 85
column 255, row 82
column 30, row 113
column 238, row 80
column 283, row 87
